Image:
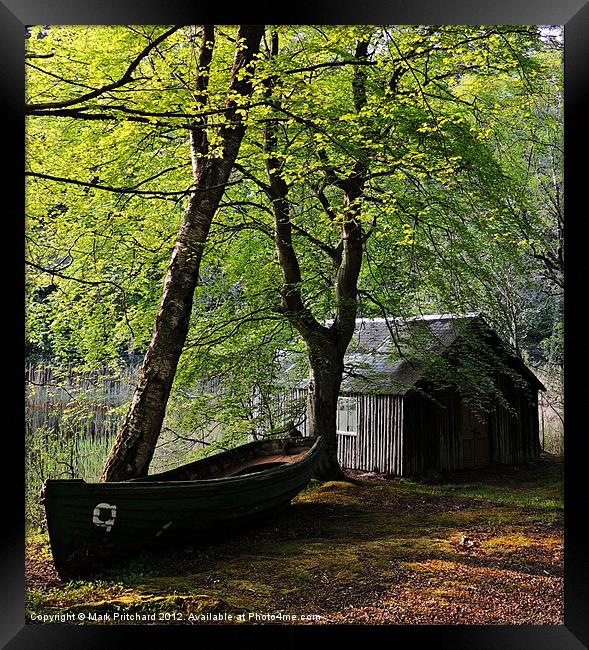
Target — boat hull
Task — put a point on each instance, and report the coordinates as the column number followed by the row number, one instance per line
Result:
column 90, row 524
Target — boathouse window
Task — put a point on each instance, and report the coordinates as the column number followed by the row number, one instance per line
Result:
column 347, row 418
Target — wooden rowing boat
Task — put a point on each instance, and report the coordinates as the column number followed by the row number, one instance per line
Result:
column 91, row 523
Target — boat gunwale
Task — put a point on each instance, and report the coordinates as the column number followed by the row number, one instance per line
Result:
column 255, row 477
column 292, row 477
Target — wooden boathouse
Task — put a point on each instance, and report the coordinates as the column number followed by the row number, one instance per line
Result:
column 434, row 394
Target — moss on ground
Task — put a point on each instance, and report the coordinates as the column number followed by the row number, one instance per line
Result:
column 370, row 551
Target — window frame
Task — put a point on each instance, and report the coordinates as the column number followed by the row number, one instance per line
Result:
column 349, row 400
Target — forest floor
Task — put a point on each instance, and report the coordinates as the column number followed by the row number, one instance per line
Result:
column 477, row 548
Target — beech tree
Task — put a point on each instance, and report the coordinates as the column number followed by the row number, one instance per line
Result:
column 375, row 176
column 135, row 443
column 326, row 344
column 211, row 166
column 388, row 118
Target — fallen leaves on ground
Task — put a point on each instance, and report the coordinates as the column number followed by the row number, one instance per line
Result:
column 371, row 551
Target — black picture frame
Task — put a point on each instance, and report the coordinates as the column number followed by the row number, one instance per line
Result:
column 574, row 14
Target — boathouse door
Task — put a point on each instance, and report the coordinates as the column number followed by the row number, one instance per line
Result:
column 475, row 435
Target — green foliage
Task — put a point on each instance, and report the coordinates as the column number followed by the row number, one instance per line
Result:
column 461, row 136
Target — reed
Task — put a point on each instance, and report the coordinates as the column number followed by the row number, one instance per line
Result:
column 52, row 455
column 66, row 399
column 71, row 419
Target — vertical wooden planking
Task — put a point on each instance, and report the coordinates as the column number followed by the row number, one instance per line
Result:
column 407, row 434
column 379, row 440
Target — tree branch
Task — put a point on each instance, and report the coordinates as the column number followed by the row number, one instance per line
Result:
column 126, row 78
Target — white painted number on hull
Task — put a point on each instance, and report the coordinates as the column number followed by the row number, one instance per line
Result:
column 104, row 523
column 159, row 532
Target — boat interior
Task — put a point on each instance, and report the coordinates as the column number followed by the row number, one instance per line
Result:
column 251, row 458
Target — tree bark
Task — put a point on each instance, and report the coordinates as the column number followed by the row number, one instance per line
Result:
column 135, row 442
column 326, row 346
column 325, row 375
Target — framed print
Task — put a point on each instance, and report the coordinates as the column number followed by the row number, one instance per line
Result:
column 333, row 246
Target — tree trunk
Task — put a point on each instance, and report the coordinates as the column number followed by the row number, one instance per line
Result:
column 135, row 442
column 324, row 383
column 326, row 346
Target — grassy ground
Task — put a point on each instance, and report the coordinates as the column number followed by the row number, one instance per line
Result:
column 484, row 547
